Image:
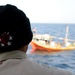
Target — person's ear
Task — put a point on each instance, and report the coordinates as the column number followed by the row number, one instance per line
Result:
column 24, row 49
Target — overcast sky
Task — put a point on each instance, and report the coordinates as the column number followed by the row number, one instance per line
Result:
column 46, row 11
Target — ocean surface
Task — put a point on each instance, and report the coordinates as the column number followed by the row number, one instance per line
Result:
column 63, row 59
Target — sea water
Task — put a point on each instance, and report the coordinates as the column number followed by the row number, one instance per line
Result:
column 63, row 59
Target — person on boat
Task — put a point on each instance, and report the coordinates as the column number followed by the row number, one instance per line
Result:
column 52, row 43
column 74, row 43
column 66, row 43
column 15, row 36
column 34, row 31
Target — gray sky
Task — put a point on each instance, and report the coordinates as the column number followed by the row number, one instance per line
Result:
column 46, row 11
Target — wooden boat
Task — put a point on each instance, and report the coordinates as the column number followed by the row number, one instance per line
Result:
column 44, row 42
column 36, row 45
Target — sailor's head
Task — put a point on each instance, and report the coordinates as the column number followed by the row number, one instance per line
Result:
column 15, row 29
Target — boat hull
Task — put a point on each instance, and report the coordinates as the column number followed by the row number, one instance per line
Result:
column 38, row 46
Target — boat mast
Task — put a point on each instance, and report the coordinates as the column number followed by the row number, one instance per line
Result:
column 66, row 36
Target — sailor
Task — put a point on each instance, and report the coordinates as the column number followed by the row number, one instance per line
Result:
column 34, row 30
column 66, row 42
column 15, row 36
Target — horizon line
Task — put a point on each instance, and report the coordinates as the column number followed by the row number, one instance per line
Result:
column 50, row 23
